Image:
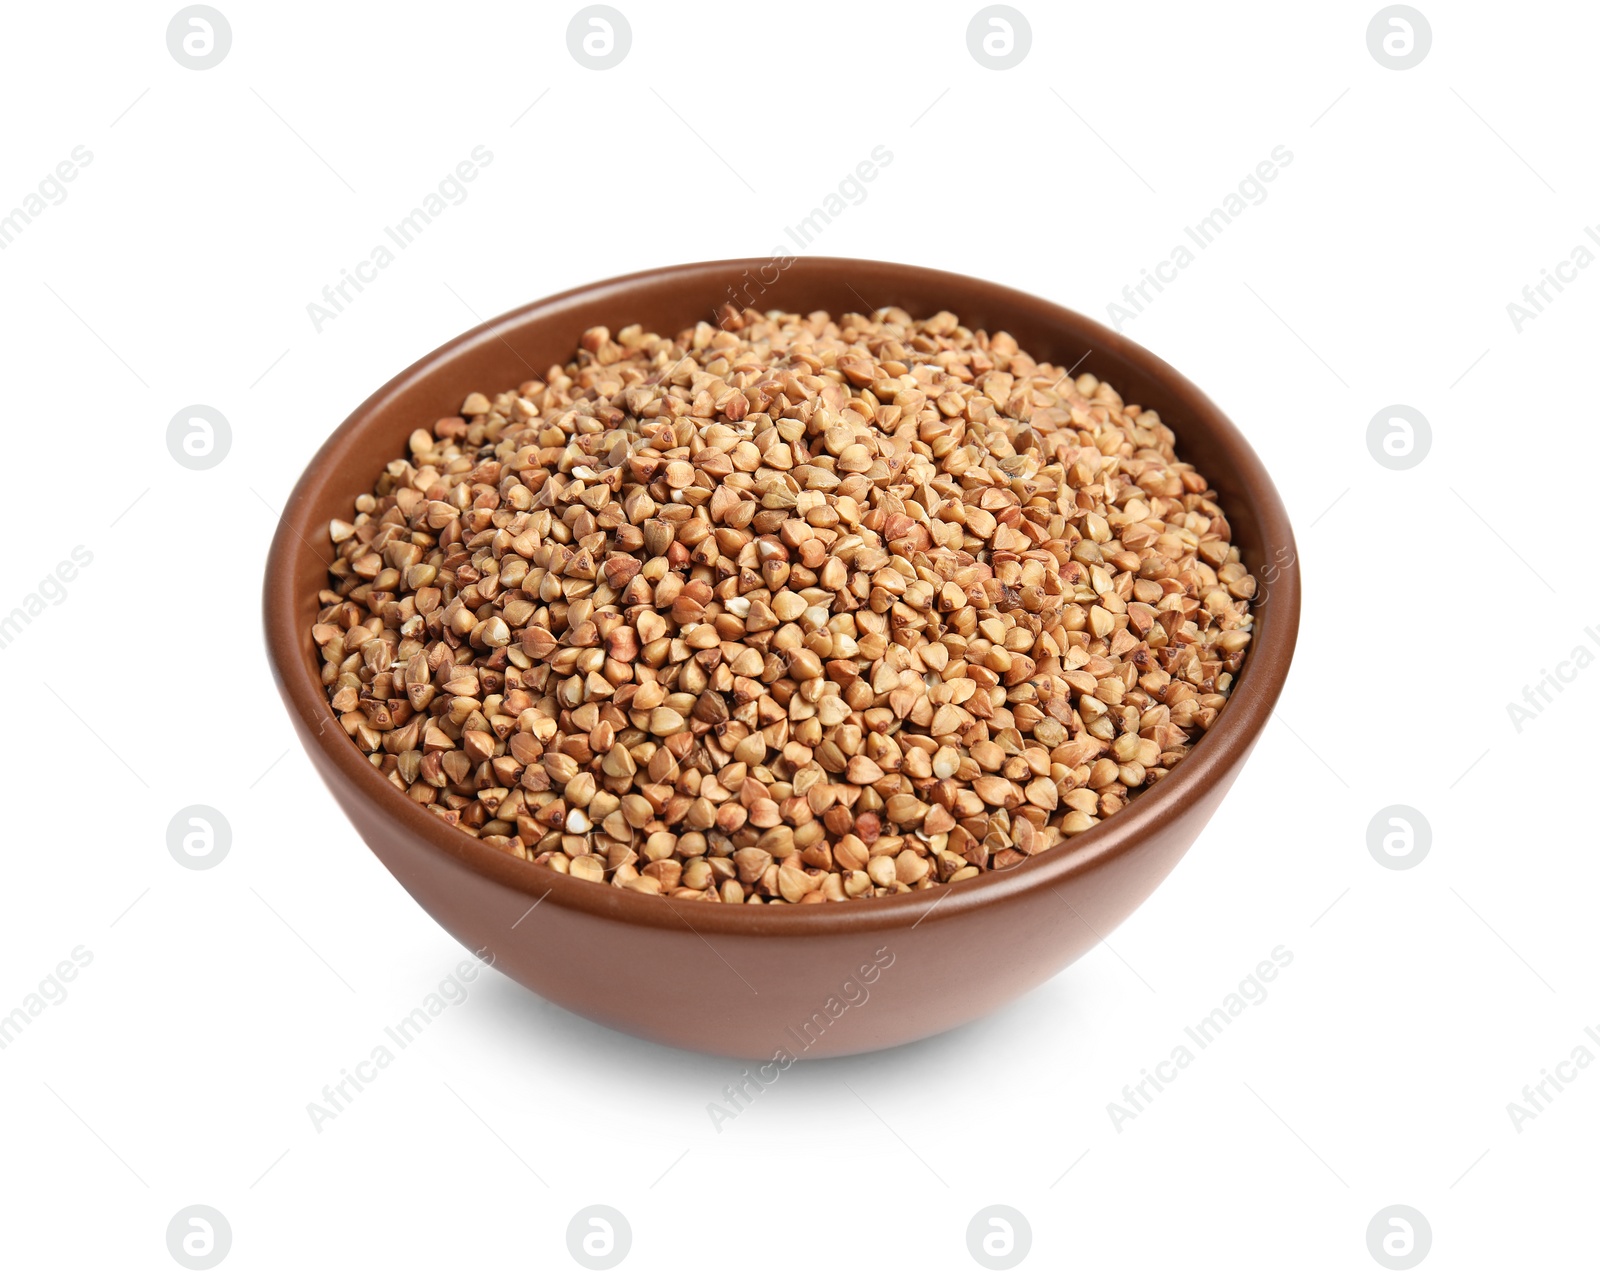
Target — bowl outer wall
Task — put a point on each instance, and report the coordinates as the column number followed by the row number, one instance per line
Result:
column 743, row 981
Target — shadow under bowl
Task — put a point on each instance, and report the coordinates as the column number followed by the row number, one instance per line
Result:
column 748, row 981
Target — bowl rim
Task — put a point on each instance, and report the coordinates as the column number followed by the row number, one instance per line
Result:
column 1210, row 760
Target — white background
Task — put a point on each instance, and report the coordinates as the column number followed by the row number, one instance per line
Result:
column 218, row 1004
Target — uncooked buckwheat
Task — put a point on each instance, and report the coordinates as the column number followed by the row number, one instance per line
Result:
column 784, row 610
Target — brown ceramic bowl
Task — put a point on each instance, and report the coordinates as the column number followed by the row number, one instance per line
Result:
column 745, row 981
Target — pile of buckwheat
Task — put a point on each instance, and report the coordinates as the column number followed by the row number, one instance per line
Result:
column 786, row 609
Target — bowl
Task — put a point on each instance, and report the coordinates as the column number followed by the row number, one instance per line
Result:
column 778, row 983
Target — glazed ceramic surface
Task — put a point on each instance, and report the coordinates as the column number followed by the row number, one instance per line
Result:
column 753, row 981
